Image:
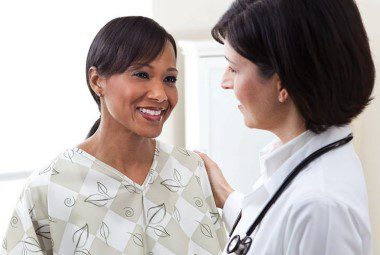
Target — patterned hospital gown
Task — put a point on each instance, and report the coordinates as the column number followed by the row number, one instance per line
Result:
column 80, row 205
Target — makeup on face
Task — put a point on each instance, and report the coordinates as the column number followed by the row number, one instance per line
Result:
column 143, row 97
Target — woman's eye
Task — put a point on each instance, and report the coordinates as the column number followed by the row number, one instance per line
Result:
column 231, row 70
column 142, row 75
column 170, row 79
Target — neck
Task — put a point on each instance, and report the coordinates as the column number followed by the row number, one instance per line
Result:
column 290, row 127
column 122, row 149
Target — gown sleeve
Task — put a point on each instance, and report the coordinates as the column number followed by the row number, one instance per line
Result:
column 29, row 228
column 218, row 224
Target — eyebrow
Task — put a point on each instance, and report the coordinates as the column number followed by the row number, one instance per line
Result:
column 137, row 66
column 230, row 61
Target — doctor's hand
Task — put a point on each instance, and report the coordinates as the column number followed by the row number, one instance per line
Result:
column 219, row 185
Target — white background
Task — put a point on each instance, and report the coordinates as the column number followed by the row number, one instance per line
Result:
column 45, row 105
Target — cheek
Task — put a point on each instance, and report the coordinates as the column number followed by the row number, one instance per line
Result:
column 121, row 98
column 172, row 94
column 244, row 90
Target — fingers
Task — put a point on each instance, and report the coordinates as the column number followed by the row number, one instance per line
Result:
column 219, row 185
column 201, row 154
column 208, row 161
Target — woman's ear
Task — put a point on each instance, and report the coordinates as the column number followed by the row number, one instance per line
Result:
column 283, row 94
column 96, row 81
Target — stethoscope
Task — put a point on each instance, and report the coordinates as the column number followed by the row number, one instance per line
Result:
column 242, row 246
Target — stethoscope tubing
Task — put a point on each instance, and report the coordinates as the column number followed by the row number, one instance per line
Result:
column 278, row 193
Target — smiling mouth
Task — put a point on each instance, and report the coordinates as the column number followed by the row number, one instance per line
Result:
column 154, row 114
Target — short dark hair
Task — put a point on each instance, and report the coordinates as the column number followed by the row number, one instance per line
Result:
column 122, row 42
column 318, row 48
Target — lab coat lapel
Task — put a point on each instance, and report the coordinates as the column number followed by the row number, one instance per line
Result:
column 329, row 136
column 255, row 201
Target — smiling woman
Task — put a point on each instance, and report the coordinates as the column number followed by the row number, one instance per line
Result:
column 147, row 59
column 121, row 191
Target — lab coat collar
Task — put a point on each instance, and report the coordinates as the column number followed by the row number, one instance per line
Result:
column 292, row 153
column 316, row 142
column 275, row 154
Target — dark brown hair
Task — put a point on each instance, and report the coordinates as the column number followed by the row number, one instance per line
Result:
column 318, row 48
column 122, row 42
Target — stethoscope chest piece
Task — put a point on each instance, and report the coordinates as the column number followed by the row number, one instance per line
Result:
column 239, row 246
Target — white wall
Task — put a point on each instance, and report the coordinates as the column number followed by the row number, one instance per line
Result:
column 45, row 105
column 185, row 20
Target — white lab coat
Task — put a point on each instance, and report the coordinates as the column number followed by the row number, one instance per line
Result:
column 324, row 211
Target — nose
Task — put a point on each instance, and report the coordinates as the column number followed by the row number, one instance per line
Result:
column 227, row 80
column 157, row 92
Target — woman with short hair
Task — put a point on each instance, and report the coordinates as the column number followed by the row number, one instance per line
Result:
column 303, row 71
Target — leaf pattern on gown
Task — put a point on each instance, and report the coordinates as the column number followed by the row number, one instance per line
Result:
column 69, row 154
column 160, row 231
column 50, row 169
column 52, row 220
column 152, row 175
column 215, row 216
column 174, row 184
column 105, row 231
column 47, row 169
column 176, row 214
column 5, row 244
column 102, row 188
column 177, row 176
column 100, row 199
column 44, row 231
column 156, row 152
column 80, row 237
column 137, row 239
column 184, row 152
column 32, row 213
column 156, row 215
column 131, row 189
column 171, row 185
column 205, row 229
column 54, row 171
column 30, row 244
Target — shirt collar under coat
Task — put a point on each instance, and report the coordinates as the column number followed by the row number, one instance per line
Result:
column 277, row 161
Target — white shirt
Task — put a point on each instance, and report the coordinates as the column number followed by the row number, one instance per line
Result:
column 324, row 211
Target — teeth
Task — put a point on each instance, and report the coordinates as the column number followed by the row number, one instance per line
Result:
column 150, row 112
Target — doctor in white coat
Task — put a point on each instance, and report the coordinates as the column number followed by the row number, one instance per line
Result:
column 301, row 70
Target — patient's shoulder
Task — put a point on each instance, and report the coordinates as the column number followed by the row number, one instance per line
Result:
column 179, row 155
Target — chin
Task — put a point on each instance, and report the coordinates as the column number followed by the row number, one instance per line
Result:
column 250, row 123
column 150, row 132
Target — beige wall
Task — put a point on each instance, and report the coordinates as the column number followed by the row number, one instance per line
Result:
column 367, row 126
column 193, row 20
